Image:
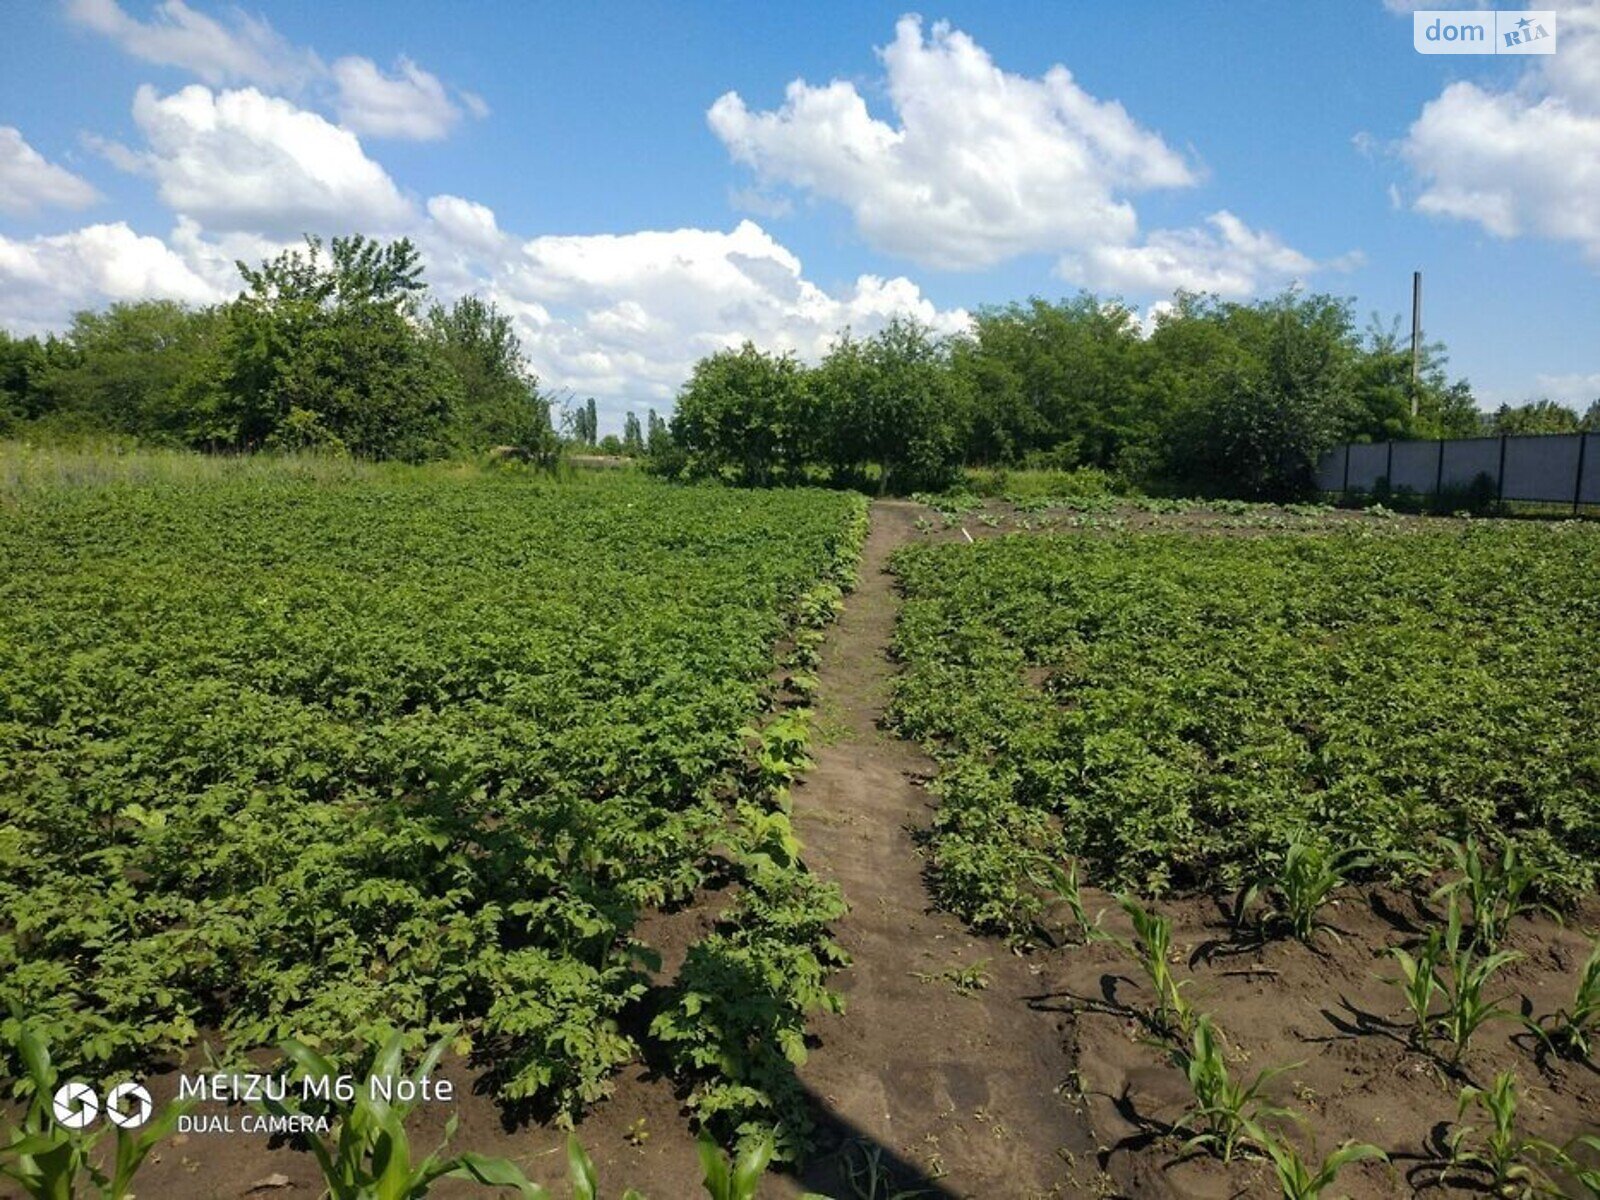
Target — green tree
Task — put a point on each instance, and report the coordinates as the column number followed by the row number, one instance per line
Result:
column 147, row 368
column 1061, row 379
column 1536, row 416
column 632, row 436
column 891, row 401
column 499, row 399
column 1258, row 426
column 23, row 363
column 326, row 350
column 745, row 416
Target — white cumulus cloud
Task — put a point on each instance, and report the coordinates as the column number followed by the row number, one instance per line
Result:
column 466, row 223
column 1522, row 160
column 1228, row 258
column 243, row 161
column 982, row 165
column 29, row 182
column 624, row 317
column 44, row 279
column 245, row 49
column 411, row 103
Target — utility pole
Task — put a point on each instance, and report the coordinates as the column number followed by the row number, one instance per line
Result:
column 1416, row 336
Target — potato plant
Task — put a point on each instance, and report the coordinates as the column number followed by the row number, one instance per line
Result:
column 1172, row 711
column 313, row 756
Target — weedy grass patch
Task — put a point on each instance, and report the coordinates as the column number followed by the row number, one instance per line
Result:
column 313, row 754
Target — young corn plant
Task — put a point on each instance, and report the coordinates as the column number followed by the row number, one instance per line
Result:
column 367, row 1155
column 1300, row 884
column 870, row 1178
column 1419, row 983
column 1512, row 1163
column 1497, row 889
column 1300, row 1180
column 49, row 1162
column 1151, row 945
column 1226, row 1109
column 1064, row 884
column 1571, row 1032
column 726, row 1179
column 1466, row 1009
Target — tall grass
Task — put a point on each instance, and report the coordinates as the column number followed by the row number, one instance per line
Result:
column 27, row 469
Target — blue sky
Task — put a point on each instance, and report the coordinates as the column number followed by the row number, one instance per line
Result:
column 639, row 183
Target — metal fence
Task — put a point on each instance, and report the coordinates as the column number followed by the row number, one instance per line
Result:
column 1558, row 468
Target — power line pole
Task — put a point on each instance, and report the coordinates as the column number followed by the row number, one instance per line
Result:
column 1416, row 336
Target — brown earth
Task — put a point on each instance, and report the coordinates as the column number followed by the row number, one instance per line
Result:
column 1326, row 1012
column 960, row 1092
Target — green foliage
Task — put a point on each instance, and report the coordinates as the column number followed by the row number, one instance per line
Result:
column 1164, row 709
column 1497, row 890
column 49, row 1162
column 1298, row 882
column 1419, row 982
column 745, row 416
column 1226, row 1110
column 366, row 1154
column 1571, row 1031
column 499, row 403
column 315, row 750
column 738, row 1180
column 1536, row 416
column 1453, row 969
column 1300, row 1180
column 736, row 1020
column 1511, row 1162
column 1257, row 427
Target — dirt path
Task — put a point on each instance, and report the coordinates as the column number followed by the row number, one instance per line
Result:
column 958, row 1092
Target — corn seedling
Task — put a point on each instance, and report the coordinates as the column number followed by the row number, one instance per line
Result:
column 584, row 1178
column 869, row 1177
column 1225, row 1109
column 734, row 1180
column 1497, row 890
column 1571, row 1031
column 50, row 1162
column 1587, row 1177
column 1465, row 1007
column 1419, row 983
column 1299, row 1179
column 1064, row 883
column 1150, row 947
column 1511, row 1161
column 1300, row 884
column 367, row 1155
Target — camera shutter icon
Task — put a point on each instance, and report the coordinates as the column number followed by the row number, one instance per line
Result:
column 75, row 1105
column 117, row 1105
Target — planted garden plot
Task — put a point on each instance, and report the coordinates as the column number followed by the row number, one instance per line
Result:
column 1331, row 791
column 323, row 756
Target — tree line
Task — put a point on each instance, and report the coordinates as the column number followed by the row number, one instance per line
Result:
column 336, row 348
column 330, row 348
column 1217, row 398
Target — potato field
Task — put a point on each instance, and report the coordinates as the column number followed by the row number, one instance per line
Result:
column 1300, row 830
column 321, row 754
